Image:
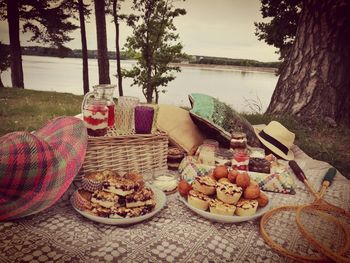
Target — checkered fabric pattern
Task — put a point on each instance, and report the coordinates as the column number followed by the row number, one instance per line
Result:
column 37, row 168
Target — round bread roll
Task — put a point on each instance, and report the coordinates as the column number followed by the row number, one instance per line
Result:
column 204, row 184
column 251, row 192
column 228, row 193
column 220, row 208
column 198, row 200
column 263, row 200
column 246, row 207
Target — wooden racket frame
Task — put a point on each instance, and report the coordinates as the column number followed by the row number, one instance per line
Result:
column 321, row 207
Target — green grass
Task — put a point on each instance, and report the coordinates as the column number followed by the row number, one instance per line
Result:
column 316, row 138
column 28, row 110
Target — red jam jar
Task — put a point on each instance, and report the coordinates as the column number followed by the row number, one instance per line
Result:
column 111, row 114
column 240, row 160
column 95, row 114
column 105, row 91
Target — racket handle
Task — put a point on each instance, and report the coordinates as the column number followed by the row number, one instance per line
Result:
column 327, row 181
column 329, row 176
column 297, row 171
column 301, row 176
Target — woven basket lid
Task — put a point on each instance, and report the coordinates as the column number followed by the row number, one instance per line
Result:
column 37, row 168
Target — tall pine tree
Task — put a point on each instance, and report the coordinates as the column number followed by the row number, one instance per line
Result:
column 83, row 11
column 102, row 49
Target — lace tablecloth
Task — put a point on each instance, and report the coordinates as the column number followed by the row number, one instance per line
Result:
column 176, row 234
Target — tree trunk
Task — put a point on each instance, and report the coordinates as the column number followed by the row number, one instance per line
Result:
column 119, row 70
column 315, row 80
column 84, row 47
column 15, row 46
column 1, row 84
column 156, row 91
column 102, row 52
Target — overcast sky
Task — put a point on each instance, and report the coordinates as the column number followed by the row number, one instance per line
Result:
column 222, row 28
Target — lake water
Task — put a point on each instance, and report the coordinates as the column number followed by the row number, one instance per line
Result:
column 237, row 88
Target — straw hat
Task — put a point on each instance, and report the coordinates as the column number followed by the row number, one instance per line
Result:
column 277, row 138
column 37, row 168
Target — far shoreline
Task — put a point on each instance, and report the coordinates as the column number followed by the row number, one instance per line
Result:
column 201, row 66
column 226, row 67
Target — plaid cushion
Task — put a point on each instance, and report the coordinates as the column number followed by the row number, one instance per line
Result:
column 36, row 169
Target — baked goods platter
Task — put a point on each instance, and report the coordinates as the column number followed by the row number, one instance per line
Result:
column 224, row 218
column 109, row 198
column 225, row 196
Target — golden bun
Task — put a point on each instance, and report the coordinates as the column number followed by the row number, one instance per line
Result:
column 204, row 184
column 198, row 200
column 220, row 208
column 245, row 207
column 228, row 193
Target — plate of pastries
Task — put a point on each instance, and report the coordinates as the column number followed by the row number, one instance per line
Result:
column 226, row 196
column 109, row 198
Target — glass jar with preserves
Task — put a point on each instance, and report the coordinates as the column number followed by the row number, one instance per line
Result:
column 238, row 140
column 240, row 160
column 95, row 115
column 105, row 91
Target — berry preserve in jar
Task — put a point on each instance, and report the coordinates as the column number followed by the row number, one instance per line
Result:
column 95, row 114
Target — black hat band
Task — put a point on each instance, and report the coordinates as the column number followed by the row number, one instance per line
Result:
column 274, row 142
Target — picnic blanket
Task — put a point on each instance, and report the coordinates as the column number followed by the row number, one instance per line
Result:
column 176, row 234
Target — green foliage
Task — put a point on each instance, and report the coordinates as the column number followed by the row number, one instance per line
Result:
column 47, row 20
column 315, row 137
column 233, row 62
column 283, row 20
column 155, row 39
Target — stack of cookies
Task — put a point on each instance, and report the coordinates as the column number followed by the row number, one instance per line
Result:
column 108, row 194
column 225, row 193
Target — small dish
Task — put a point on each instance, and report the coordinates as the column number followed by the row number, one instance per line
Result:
column 167, row 182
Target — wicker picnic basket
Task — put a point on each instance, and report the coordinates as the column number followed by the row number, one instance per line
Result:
column 144, row 153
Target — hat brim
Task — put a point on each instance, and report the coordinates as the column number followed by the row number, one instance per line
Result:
column 52, row 156
column 289, row 156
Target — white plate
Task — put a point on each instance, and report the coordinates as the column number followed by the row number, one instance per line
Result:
column 160, row 203
column 226, row 219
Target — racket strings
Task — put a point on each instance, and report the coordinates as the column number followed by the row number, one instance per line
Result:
column 329, row 232
column 323, row 229
column 282, row 234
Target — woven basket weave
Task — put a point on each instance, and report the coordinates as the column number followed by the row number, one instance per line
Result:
column 144, row 153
